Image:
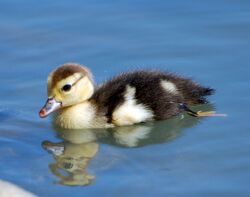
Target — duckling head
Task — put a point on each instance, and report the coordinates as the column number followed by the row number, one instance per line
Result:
column 68, row 85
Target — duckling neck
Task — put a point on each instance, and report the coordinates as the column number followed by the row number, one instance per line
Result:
column 82, row 115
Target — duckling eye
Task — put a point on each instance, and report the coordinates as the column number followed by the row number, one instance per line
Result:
column 66, row 87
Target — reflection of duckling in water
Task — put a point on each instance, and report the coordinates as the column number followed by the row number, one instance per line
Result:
column 73, row 155
column 71, row 161
column 127, row 99
column 153, row 133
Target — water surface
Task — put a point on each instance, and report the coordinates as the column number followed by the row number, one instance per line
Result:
column 208, row 41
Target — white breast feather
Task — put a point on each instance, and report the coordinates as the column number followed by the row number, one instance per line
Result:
column 130, row 112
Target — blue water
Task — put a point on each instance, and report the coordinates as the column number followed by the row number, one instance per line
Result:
column 208, row 41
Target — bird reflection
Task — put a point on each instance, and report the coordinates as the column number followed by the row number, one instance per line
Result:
column 71, row 161
column 78, row 147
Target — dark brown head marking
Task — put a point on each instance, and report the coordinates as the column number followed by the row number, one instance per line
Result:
column 67, row 70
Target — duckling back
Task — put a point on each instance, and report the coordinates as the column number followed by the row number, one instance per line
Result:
column 146, row 95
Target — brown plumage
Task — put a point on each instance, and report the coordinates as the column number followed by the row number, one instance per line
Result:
column 150, row 93
column 67, row 70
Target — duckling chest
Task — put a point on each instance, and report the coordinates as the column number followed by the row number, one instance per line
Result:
column 79, row 116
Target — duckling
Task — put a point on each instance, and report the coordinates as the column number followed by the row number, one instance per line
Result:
column 126, row 99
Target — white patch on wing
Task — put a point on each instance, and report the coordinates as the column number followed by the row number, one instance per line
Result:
column 130, row 112
column 169, row 86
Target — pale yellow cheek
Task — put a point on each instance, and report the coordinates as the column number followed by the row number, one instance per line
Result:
column 57, row 95
column 84, row 89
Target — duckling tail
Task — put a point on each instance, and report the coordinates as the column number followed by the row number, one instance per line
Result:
column 197, row 94
column 206, row 91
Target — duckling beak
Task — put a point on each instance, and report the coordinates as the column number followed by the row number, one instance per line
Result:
column 50, row 106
